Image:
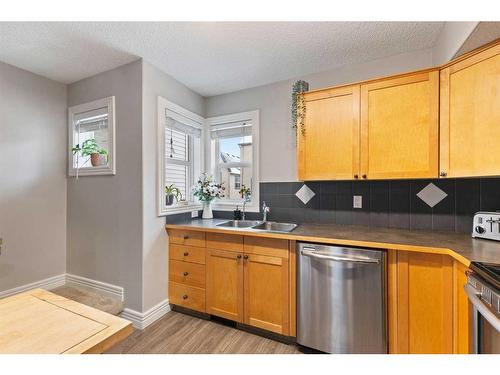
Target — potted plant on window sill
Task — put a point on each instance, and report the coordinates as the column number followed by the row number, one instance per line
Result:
column 98, row 155
column 206, row 189
column 170, row 192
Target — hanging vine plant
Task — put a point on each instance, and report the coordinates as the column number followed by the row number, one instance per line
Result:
column 299, row 105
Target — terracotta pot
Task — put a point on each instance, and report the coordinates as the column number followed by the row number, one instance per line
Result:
column 97, row 159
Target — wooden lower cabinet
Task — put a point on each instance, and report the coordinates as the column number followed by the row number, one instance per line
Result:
column 251, row 287
column 224, row 284
column 266, row 292
column 427, row 309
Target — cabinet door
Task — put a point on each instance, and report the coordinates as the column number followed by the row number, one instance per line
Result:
column 420, row 303
column 329, row 148
column 399, row 127
column 470, row 116
column 224, row 284
column 266, row 293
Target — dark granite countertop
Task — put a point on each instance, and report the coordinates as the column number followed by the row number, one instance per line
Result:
column 460, row 246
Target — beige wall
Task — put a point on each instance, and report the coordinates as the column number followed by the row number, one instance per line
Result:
column 155, row 255
column 33, row 177
column 277, row 140
column 105, row 212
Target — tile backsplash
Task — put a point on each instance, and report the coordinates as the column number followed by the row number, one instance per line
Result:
column 392, row 204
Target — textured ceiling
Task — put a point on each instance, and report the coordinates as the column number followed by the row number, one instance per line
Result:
column 209, row 57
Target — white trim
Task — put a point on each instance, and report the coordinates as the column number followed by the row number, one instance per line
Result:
column 254, row 118
column 105, row 288
column 50, row 283
column 142, row 320
column 110, row 168
column 195, row 121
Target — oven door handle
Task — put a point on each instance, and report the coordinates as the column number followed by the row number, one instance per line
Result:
column 313, row 254
column 485, row 312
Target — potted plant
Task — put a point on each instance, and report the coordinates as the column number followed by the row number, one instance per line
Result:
column 98, row 155
column 170, row 192
column 206, row 189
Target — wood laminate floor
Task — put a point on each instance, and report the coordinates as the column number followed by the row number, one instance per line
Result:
column 178, row 333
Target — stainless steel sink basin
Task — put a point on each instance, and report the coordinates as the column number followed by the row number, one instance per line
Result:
column 272, row 226
column 239, row 223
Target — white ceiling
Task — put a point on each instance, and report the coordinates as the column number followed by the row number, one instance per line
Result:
column 211, row 58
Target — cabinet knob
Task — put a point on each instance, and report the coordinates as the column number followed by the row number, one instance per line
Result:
column 185, row 237
column 186, row 254
column 186, row 273
column 185, row 296
column 364, row 176
column 443, row 174
column 245, row 256
column 238, row 256
column 356, row 176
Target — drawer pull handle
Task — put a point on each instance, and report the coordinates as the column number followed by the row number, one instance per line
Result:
column 186, row 237
column 186, row 273
column 186, row 254
column 185, row 296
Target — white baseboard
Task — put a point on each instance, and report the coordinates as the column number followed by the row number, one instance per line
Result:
column 50, row 283
column 105, row 288
column 142, row 320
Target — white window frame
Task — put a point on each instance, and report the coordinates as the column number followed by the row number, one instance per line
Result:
column 110, row 167
column 253, row 118
column 188, row 118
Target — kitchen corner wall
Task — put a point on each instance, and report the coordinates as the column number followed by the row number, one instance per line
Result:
column 105, row 212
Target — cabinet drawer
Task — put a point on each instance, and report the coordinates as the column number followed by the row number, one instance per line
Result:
column 190, row 254
column 266, row 246
column 222, row 241
column 187, row 237
column 187, row 296
column 187, row 273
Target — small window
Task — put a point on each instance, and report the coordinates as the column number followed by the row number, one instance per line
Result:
column 180, row 157
column 234, row 157
column 91, row 138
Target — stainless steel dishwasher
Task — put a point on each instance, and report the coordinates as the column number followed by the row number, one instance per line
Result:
column 341, row 299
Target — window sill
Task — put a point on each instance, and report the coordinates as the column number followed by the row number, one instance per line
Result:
column 232, row 207
column 181, row 209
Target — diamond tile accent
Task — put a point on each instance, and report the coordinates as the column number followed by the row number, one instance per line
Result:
column 431, row 194
column 305, row 194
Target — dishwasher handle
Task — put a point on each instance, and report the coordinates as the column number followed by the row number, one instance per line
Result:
column 476, row 302
column 314, row 254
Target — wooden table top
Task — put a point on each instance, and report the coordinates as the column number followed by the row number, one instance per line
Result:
column 41, row 322
column 460, row 246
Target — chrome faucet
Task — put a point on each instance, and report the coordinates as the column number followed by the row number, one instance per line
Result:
column 265, row 210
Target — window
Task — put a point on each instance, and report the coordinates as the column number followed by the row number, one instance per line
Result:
column 180, row 157
column 91, row 138
column 234, row 157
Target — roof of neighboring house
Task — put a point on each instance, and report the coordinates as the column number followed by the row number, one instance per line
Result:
column 228, row 158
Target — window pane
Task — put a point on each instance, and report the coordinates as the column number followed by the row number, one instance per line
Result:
column 235, row 164
column 87, row 129
column 177, row 175
column 176, row 144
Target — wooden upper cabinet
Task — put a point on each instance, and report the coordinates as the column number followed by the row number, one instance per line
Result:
column 399, row 127
column 329, row 148
column 470, row 116
column 224, row 284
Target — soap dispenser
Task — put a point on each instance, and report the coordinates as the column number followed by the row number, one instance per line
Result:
column 237, row 213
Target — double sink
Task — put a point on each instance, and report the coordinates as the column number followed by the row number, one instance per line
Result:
column 264, row 226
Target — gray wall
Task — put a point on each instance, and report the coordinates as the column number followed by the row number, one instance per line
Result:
column 277, row 140
column 155, row 260
column 105, row 212
column 33, row 177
